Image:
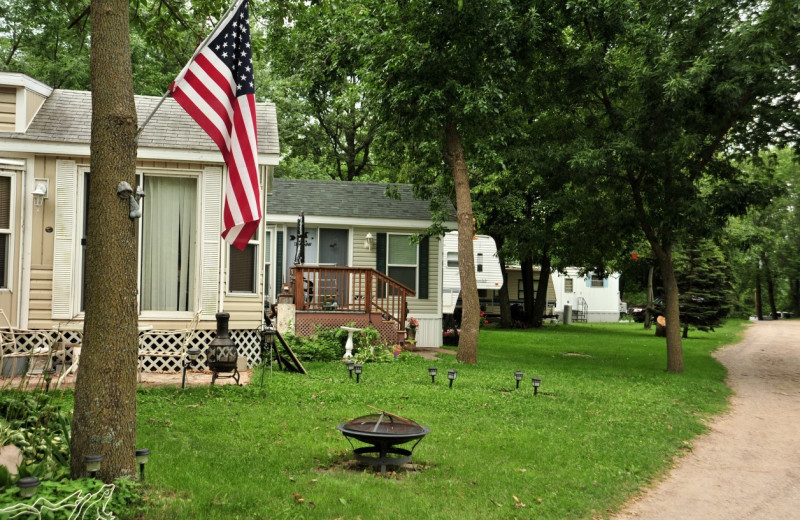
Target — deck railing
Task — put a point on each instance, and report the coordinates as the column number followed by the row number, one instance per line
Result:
column 355, row 289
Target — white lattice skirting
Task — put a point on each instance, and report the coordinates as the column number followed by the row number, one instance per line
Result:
column 247, row 341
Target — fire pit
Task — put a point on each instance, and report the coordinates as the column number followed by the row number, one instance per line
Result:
column 222, row 352
column 383, row 432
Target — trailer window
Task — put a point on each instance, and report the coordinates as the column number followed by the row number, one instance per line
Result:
column 452, row 259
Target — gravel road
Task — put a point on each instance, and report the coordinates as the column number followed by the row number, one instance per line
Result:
column 748, row 465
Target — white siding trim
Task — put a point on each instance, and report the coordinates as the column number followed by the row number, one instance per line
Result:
column 64, row 239
column 211, row 208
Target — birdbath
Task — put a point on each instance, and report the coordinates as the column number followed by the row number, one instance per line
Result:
column 348, row 347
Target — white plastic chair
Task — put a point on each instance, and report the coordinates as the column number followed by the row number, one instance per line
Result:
column 168, row 344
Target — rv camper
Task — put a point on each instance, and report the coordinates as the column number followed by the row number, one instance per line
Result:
column 488, row 273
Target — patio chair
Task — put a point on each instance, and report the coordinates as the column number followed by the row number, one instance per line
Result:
column 167, row 345
column 24, row 352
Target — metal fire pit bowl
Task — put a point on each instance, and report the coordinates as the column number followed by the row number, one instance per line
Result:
column 383, row 432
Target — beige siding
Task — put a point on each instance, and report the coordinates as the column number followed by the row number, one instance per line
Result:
column 365, row 258
column 8, row 108
column 245, row 311
column 514, row 278
column 41, row 297
column 34, row 102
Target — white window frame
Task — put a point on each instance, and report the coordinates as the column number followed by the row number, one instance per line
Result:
column 596, row 282
column 197, row 278
column 416, row 256
column 9, row 232
column 256, row 262
column 569, row 285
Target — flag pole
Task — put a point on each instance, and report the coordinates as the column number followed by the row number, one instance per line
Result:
column 194, row 55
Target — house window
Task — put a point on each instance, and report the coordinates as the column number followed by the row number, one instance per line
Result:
column 243, row 267
column 568, row 285
column 267, row 263
column 401, row 260
column 169, row 243
column 452, row 259
column 5, row 229
column 520, row 290
column 597, row 281
column 479, row 263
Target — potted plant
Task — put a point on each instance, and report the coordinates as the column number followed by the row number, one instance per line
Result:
column 411, row 329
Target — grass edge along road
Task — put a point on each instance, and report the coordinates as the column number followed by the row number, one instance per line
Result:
column 608, row 419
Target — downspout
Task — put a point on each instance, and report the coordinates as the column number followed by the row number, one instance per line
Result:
column 24, row 282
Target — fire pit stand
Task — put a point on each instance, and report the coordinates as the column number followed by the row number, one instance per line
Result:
column 383, row 432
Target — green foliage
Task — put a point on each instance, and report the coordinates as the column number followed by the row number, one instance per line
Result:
column 40, row 428
column 126, row 501
column 327, row 344
column 704, row 283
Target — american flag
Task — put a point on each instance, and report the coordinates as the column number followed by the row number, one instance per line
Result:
column 216, row 89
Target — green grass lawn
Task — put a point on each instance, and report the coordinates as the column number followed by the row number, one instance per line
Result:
column 607, row 419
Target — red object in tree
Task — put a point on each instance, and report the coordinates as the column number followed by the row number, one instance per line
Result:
column 635, row 256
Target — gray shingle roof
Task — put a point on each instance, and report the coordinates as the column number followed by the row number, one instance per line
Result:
column 66, row 117
column 344, row 199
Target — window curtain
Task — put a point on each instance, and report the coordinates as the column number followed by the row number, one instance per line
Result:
column 168, row 243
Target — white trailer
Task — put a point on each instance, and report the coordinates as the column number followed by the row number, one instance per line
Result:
column 488, row 273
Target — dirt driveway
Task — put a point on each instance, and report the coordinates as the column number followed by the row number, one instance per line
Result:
column 748, row 465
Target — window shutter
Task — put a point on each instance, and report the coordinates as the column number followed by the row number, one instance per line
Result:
column 64, row 239
column 279, row 263
column 211, row 209
column 380, row 260
column 605, row 282
column 380, row 253
column 588, row 279
column 424, row 246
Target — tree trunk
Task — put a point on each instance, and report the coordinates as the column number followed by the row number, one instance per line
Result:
column 540, row 304
column 528, row 295
column 770, row 287
column 104, row 420
column 757, row 297
column 505, row 303
column 648, row 310
column 672, row 311
column 795, row 297
column 470, row 305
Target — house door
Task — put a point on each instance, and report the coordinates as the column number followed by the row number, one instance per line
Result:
column 333, row 251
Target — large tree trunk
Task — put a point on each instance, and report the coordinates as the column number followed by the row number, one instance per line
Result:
column 648, row 311
column 757, row 296
column 104, row 422
column 528, row 295
column 541, row 291
column 505, row 303
column 470, row 305
column 794, row 291
column 773, row 309
column 672, row 311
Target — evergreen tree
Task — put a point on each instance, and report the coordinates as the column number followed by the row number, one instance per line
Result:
column 704, row 284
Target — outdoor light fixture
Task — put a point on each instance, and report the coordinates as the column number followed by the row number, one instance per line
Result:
column 536, row 382
column 141, row 457
column 93, row 464
column 432, row 372
column 350, row 366
column 124, row 191
column 357, row 369
column 368, row 241
column 40, row 192
column 191, row 356
column 451, row 375
column 28, row 486
column 518, row 376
